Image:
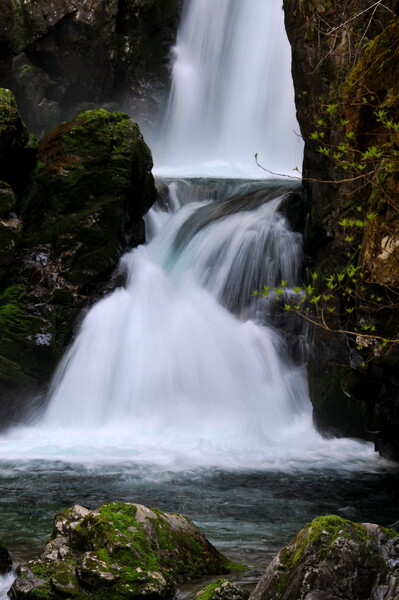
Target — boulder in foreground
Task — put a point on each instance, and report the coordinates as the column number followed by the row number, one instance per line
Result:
column 118, row 551
column 334, row 559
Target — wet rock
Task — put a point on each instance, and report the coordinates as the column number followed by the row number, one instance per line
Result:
column 119, row 551
column 221, row 589
column 8, row 199
column 334, row 559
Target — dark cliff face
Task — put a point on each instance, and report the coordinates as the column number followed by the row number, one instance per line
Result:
column 65, row 56
column 345, row 70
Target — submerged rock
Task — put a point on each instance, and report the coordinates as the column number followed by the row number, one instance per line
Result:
column 116, row 551
column 334, row 559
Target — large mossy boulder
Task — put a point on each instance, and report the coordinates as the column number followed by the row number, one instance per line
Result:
column 81, row 209
column 334, row 559
column 118, row 551
column 87, row 194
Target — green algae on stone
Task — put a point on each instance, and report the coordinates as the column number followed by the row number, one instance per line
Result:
column 332, row 553
column 221, row 589
column 120, row 551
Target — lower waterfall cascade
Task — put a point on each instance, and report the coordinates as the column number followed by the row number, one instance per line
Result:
column 179, row 368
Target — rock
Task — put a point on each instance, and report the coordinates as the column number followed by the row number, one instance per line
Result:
column 221, row 589
column 57, row 55
column 10, row 227
column 17, row 147
column 81, row 209
column 5, row 559
column 341, row 85
column 88, row 192
column 119, row 550
column 8, row 199
column 334, row 559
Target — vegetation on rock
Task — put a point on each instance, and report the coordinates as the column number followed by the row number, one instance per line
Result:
column 334, row 558
column 119, row 551
column 345, row 65
column 80, row 209
column 221, row 589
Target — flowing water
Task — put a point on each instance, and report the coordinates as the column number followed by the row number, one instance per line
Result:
column 232, row 93
column 182, row 390
column 180, row 393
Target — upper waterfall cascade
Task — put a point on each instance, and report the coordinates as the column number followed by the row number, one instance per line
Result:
column 232, row 94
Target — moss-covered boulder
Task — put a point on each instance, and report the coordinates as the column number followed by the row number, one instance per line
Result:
column 5, row 559
column 334, row 559
column 221, row 589
column 81, row 209
column 116, row 552
column 90, row 188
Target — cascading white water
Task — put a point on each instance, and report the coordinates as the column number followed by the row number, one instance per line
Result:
column 171, row 370
column 162, row 356
column 163, row 373
column 232, row 93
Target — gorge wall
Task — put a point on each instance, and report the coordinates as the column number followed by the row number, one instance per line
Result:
column 345, row 70
column 63, row 57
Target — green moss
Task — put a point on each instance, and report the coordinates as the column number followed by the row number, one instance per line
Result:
column 209, row 591
column 378, row 68
column 322, row 533
column 118, row 556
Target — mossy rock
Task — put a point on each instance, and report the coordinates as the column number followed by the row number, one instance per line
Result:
column 82, row 209
column 334, row 558
column 26, row 343
column 90, row 188
column 221, row 589
column 119, row 551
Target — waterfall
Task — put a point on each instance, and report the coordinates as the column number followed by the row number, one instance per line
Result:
column 162, row 355
column 183, row 367
column 232, row 93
